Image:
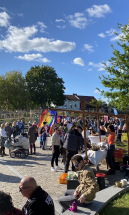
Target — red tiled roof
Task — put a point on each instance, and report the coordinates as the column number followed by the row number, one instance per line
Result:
column 71, row 97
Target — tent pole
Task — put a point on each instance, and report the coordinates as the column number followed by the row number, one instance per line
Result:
column 99, row 123
column 63, row 119
column 127, row 127
column 84, row 127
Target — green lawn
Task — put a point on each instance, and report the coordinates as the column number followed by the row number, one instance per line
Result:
column 124, row 144
column 119, row 206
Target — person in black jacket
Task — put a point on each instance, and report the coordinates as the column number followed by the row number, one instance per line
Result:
column 6, row 205
column 73, row 140
column 15, row 129
column 39, row 202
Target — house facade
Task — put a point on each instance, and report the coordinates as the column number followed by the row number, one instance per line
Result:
column 73, row 102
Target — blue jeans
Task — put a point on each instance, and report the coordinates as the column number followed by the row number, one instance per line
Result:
column 44, row 143
column 14, row 135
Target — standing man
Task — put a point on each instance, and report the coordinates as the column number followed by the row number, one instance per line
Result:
column 22, row 126
column 19, row 125
column 38, row 201
column 73, row 140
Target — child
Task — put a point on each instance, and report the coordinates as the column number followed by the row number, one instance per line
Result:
column 41, row 139
column 44, row 138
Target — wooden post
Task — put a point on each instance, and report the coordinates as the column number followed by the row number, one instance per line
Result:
column 63, row 119
column 127, row 128
column 99, row 123
column 84, row 127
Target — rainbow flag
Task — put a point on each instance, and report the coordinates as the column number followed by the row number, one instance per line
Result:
column 49, row 120
column 49, row 117
column 43, row 117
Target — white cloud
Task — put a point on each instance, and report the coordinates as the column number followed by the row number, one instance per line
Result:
column 44, row 60
column 116, row 37
column 33, row 57
column 60, row 20
column 18, row 40
column 20, row 14
column 100, row 66
column 97, row 91
column 61, row 27
column 88, row 47
column 3, row 8
column 4, row 19
column 89, row 70
column 110, row 32
column 98, row 10
column 78, row 61
column 102, row 35
column 78, row 20
column 90, row 63
column 29, row 57
column 42, row 26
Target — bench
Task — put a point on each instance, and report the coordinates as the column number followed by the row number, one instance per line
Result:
column 102, row 198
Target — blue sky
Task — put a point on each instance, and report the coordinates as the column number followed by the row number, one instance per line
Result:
column 72, row 36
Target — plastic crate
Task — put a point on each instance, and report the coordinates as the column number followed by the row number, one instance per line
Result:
column 118, row 153
column 119, row 159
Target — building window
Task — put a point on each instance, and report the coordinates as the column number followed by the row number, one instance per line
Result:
column 70, row 106
column 75, row 106
column 65, row 106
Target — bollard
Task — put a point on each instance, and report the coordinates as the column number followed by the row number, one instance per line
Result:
column 101, row 180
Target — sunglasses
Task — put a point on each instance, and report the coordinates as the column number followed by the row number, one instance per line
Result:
column 22, row 188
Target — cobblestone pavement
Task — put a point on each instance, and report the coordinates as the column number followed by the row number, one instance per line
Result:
column 39, row 167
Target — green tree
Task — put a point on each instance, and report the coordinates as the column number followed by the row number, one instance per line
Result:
column 44, row 86
column 117, row 81
column 13, row 92
column 99, row 102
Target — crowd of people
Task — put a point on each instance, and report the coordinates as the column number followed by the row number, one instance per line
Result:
column 39, row 202
column 66, row 140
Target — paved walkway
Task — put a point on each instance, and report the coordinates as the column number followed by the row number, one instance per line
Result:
column 39, row 167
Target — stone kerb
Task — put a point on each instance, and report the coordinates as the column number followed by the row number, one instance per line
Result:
column 103, row 197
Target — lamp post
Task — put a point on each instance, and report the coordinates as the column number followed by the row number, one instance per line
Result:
column 27, row 96
column 27, row 100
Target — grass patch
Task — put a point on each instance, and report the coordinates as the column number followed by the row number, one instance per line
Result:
column 124, row 144
column 119, row 206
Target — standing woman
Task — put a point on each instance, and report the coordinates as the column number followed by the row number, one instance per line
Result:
column 36, row 130
column 15, row 129
column 55, row 149
column 111, row 147
column 3, row 138
column 31, row 136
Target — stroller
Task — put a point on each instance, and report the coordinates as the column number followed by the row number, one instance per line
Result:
column 19, row 147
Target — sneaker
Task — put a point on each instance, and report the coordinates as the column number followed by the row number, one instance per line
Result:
column 58, row 168
column 53, row 169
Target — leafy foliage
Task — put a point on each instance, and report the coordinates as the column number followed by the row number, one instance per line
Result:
column 98, row 102
column 44, row 86
column 118, row 79
column 13, row 92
